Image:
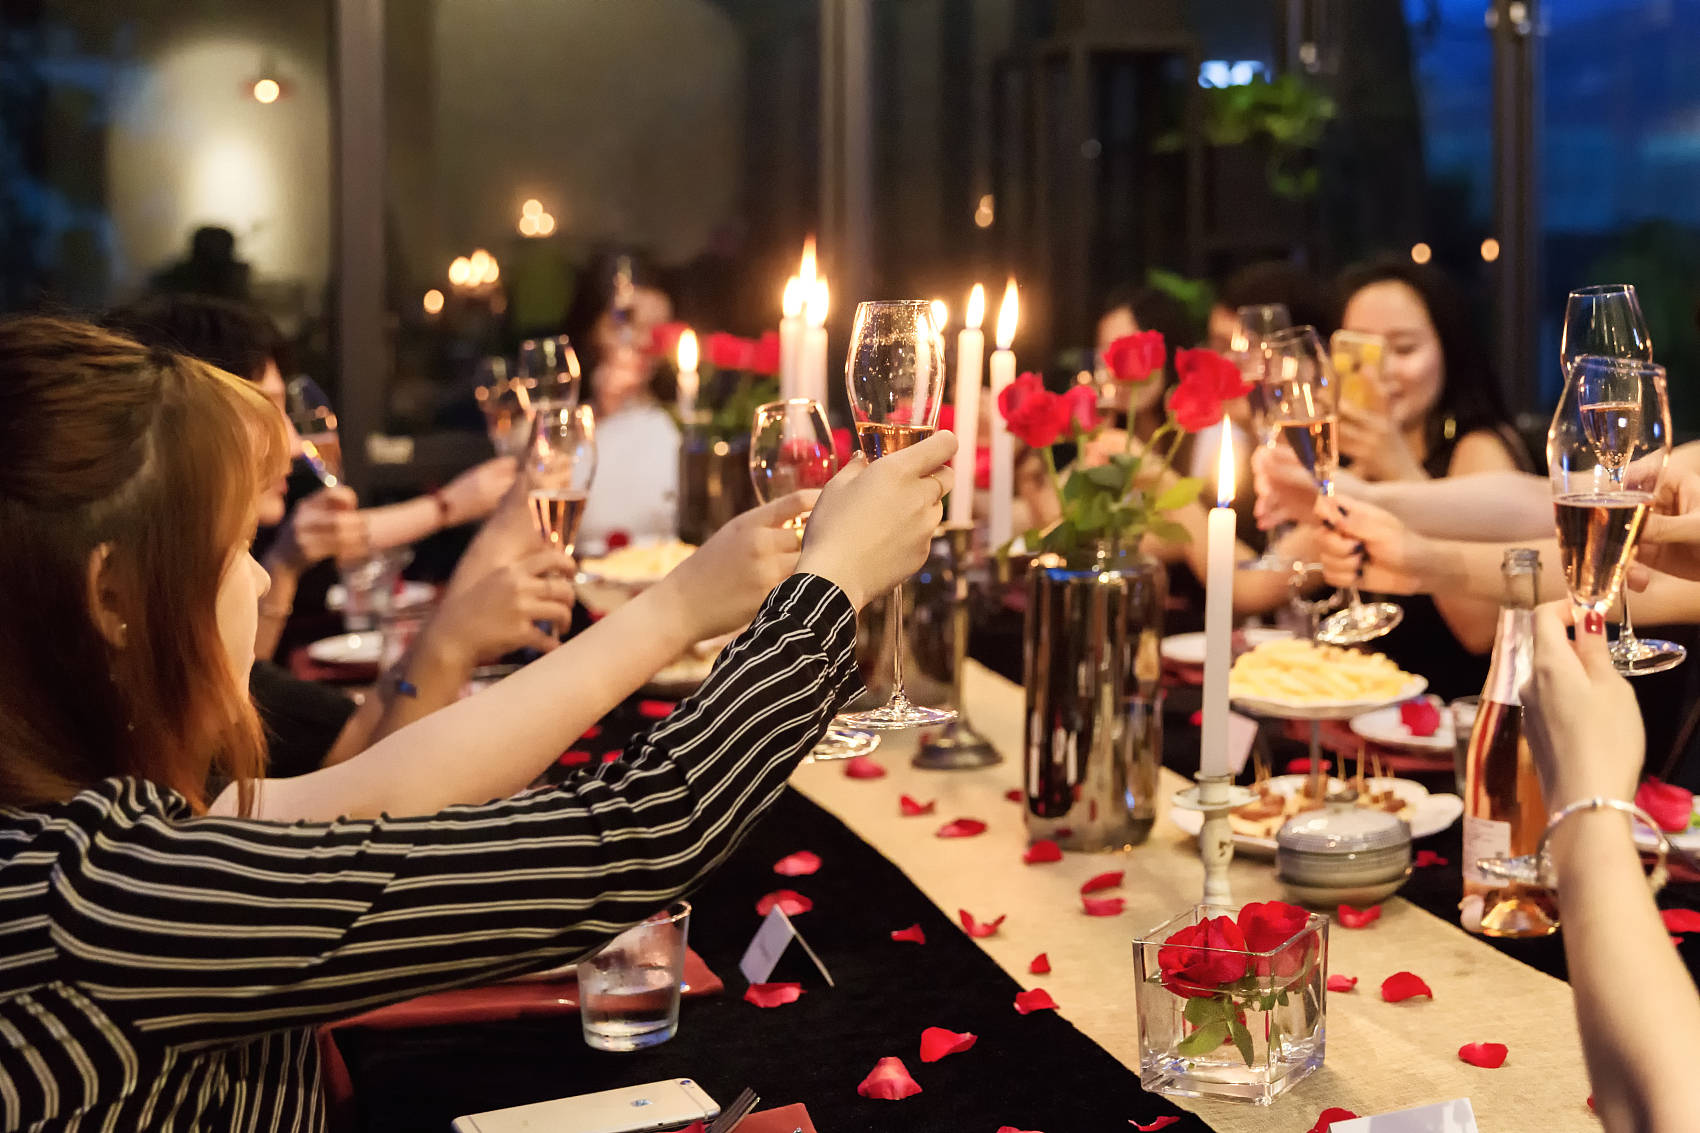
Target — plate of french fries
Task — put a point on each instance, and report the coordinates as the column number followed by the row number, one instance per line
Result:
column 1297, row 679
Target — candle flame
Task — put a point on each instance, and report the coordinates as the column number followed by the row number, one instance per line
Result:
column 1008, row 314
column 1225, row 468
column 687, row 351
column 806, row 270
column 792, row 304
column 976, row 306
column 941, row 315
column 817, row 304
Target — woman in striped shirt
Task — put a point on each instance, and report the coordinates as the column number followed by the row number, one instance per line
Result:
column 164, row 958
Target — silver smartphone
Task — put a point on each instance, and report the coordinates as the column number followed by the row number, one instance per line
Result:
column 653, row 1106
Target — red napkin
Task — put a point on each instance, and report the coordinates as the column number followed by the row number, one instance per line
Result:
column 781, row 1120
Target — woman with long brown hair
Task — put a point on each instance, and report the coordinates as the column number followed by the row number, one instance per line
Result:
column 166, row 955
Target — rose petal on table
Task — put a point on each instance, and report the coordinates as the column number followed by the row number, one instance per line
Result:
column 975, row 928
column 790, row 900
column 654, row 709
column 1041, row 965
column 863, row 767
column 1104, row 906
column 1590, row 1101
column 1426, row 858
column 936, row 1042
column 1342, row 983
column 1038, row 999
column 574, row 758
column 800, row 864
column 1197, row 718
column 1669, row 805
column 1301, row 766
column 1015, row 795
column 1420, row 716
column 962, row 828
column 1044, row 850
column 1489, row 1056
column 1154, row 1124
column 911, row 808
column 1102, row 881
column 1013, row 1129
column 1329, row 1116
column 889, row 1081
column 1401, row 986
column 610, row 756
column 772, row 995
column 1358, row 918
column 1680, row 920
column 592, row 732
column 912, row 934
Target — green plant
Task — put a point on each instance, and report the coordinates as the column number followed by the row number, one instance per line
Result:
column 1286, row 112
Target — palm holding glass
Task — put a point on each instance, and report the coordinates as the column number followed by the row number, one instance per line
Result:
column 1606, row 321
column 1303, row 395
column 895, row 378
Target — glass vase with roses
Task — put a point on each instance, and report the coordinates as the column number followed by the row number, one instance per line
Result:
column 1126, row 497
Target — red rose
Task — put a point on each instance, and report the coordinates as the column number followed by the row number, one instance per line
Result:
column 1032, row 412
column 947, row 418
column 983, row 467
column 1199, row 959
column 728, row 351
column 1195, row 408
column 811, row 461
column 664, row 339
column 1266, row 926
column 1671, row 806
column 843, row 446
column 764, row 354
column 1212, row 371
column 1082, row 404
column 1135, row 357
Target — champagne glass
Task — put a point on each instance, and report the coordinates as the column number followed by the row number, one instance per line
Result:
column 1304, row 401
column 791, row 449
column 1608, row 443
column 562, row 459
column 1606, row 320
column 550, row 367
column 508, row 406
column 895, row 378
column 315, row 421
column 1248, row 348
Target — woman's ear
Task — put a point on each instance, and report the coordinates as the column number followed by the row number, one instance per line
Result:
column 103, row 599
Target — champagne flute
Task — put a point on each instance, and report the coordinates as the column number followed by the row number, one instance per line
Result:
column 315, row 421
column 1304, row 398
column 508, row 406
column 791, row 449
column 1248, row 347
column 562, row 458
column 895, row 378
column 1606, row 320
column 550, row 367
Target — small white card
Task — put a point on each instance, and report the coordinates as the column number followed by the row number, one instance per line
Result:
column 1454, row 1116
column 1242, row 733
column 771, row 940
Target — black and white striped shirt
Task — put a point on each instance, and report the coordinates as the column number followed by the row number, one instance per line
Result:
column 160, row 970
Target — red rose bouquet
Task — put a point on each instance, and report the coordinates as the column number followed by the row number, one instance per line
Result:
column 735, row 375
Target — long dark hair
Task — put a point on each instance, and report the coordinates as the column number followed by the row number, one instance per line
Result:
column 1470, row 398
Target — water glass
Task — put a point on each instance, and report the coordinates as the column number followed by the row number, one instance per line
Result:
column 629, row 989
column 1464, row 711
column 369, row 585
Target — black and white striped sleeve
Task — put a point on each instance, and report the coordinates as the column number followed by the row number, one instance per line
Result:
column 201, row 930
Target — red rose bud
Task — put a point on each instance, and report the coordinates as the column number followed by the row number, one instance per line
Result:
column 790, row 900
column 1037, row 999
column 975, row 928
column 1082, row 404
column 1195, row 408
column 936, row 1043
column 1044, row 850
column 1032, row 412
column 1358, row 918
column 911, row 935
column 1671, row 806
column 1135, row 357
column 1401, row 986
column 1266, row 926
column 1199, row 959
column 1489, row 1056
column 773, row 995
column 800, row 864
column 889, row 1081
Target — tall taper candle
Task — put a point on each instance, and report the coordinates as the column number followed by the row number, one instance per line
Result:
column 1219, row 617
column 811, row 357
column 1000, row 526
column 790, row 337
column 970, row 354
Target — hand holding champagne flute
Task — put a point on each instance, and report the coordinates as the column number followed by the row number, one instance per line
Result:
column 561, row 464
column 315, row 421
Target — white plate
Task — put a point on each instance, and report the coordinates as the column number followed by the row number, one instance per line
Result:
column 1385, row 726
column 348, row 649
column 410, row 594
column 1327, row 710
column 1433, row 812
column 1188, row 648
column 1688, row 840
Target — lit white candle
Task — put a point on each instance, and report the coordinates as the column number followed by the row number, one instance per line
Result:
column 1219, row 616
column 970, row 353
column 687, row 375
column 790, row 336
column 811, row 358
column 1000, row 527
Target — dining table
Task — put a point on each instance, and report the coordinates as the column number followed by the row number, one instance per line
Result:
column 1071, row 1069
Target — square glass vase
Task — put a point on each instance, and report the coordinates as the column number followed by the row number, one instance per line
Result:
column 1230, row 1023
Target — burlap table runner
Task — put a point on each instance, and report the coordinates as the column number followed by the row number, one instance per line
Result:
column 1381, row 1056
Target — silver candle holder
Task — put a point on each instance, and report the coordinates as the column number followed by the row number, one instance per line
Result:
column 957, row 746
column 1215, row 796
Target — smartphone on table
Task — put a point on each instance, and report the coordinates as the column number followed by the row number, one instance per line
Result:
column 669, row 1104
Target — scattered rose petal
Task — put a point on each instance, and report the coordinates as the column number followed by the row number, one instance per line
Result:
column 889, row 1081
column 1426, row 858
column 800, row 864
column 1401, row 986
column 1342, row 983
column 772, row 995
column 610, row 756
column 1489, row 1056
column 863, row 767
column 574, row 758
column 911, row 808
column 1301, row 766
column 654, row 709
column 1676, row 941
column 913, row 934
column 1013, row 1129
column 1044, row 850
column 1671, row 806
column 1102, row 881
column 790, row 900
column 1015, row 795
column 962, row 828
column 1359, row 918
column 592, row 732
column 976, row 929
column 1104, row 906
column 1197, row 718
column 1680, row 920
column 1420, row 716
column 936, row 1042
column 1163, row 1122
column 1041, row 965
column 1590, row 1101
column 1329, row 1117
column 1038, row 999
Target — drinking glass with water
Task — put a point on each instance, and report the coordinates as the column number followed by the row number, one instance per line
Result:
column 629, row 990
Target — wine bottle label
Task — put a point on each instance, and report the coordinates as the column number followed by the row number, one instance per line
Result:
column 1484, row 838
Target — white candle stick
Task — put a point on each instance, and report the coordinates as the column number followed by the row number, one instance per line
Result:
column 811, row 358
column 790, row 336
column 970, row 353
column 687, row 375
column 1219, row 616
column 1002, row 374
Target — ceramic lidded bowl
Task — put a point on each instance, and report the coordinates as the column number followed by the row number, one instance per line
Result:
column 1343, row 854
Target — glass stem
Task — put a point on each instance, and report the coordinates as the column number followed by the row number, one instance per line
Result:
column 897, row 696
column 1626, row 628
column 1353, row 602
